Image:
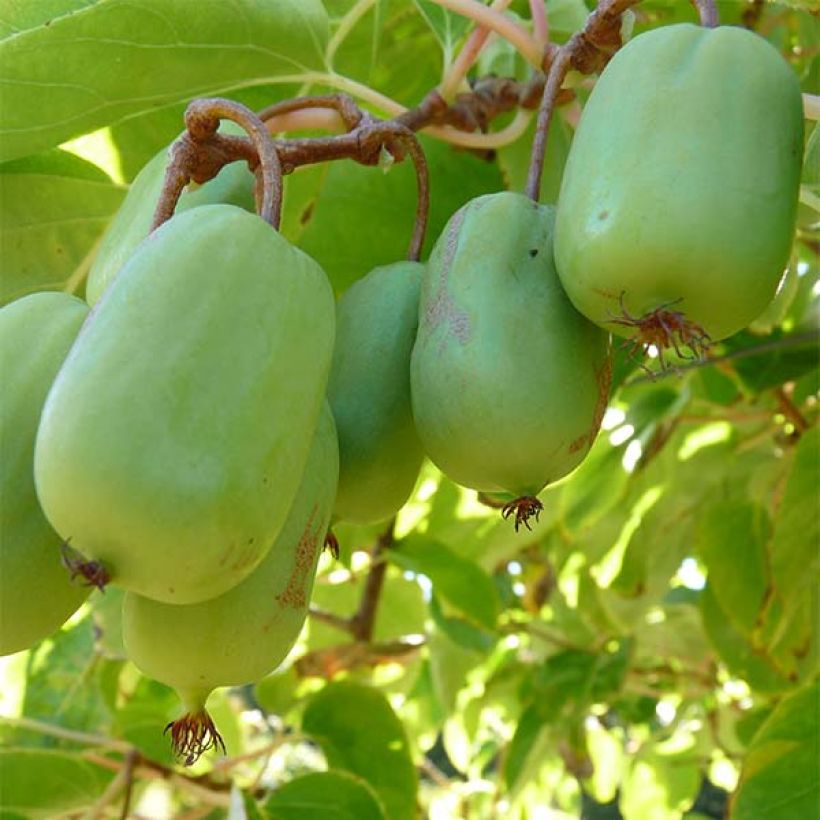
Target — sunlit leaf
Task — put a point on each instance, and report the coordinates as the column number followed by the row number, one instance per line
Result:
column 359, row 732
column 53, row 209
column 164, row 51
column 780, row 779
column 460, row 582
column 37, row 783
column 731, row 539
column 335, row 795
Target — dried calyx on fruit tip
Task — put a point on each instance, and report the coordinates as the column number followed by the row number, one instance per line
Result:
column 94, row 573
column 663, row 329
column 523, row 509
column 192, row 735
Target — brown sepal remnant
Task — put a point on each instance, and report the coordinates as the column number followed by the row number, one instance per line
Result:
column 193, row 735
column 523, row 509
column 294, row 593
column 332, row 544
column 93, row 572
column 664, row 329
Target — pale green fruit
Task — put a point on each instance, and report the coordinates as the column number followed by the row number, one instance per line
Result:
column 369, row 393
column 242, row 635
column 680, row 190
column 509, row 381
column 173, row 440
column 36, row 594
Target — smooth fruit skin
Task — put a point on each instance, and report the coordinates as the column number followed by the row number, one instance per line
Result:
column 369, row 393
column 172, row 442
column 509, row 381
column 241, row 636
column 36, row 595
column 232, row 186
column 682, row 180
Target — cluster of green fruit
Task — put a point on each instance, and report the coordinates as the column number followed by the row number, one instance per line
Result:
column 194, row 435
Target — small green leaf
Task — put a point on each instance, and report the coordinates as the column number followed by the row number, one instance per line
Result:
column 595, row 487
column 459, row 581
column 39, row 783
column 795, row 558
column 448, row 26
column 359, row 732
column 780, row 778
column 526, row 738
column 333, row 795
column 741, row 658
column 660, row 786
column 62, row 683
column 731, row 539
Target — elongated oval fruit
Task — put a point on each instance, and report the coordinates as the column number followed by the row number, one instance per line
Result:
column 241, row 636
column 369, row 392
column 232, row 186
column 509, row 381
column 172, row 442
column 36, row 594
column 678, row 203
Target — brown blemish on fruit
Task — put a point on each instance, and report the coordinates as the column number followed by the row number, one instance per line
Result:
column 294, row 593
column 441, row 309
column 607, row 294
column 306, row 214
column 603, row 378
column 603, row 215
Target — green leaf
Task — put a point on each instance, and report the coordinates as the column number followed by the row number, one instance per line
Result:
column 795, row 559
column 39, row 783
column 660, row 786
column 446, row 25
column 53, row 209
column 62, row 683
column 333, row 795
column 449, row 664
column 331, row 210
column 795, row 357
column 780, row 778
column 459, row 581
column 731, row 539
column 403, row 615
column 143, row 717
column 742, row 659
column 529, row 731
column 359, row 732
column 165, row 51
column 276, row 693
column 595, row 487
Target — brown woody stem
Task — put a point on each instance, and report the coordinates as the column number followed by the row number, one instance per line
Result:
column 707, row 11
column 558, row 70
column 202, row 119
column 587, row 51
column 363, row 621
column 201, row 152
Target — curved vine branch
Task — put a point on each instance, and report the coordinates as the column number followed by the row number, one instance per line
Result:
column 201, row 152
column 587, row 51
